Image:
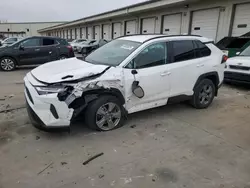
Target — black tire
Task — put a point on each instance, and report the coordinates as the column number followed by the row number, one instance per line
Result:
column 93, row 107
column 3, row 68
column 197, row 99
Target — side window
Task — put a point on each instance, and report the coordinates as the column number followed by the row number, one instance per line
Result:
column 183, row 50
column 153, row 55
column 201, row 50
column 33, row 42
column 48, row 42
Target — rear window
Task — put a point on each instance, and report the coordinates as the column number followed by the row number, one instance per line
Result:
column 63, row 42
column 201, row 50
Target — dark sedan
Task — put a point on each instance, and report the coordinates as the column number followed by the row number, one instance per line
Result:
column 34, row 51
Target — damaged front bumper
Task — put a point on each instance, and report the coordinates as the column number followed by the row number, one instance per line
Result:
column 46, row 111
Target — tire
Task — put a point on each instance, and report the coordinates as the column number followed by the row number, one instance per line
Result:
column 204, row 93
column 7, row 64
column 97, row 114
column 63, row 57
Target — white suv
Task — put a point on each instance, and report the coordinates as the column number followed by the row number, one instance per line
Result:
column 126, row 75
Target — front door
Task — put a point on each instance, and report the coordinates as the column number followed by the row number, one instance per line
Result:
column 30, row 52
column 150, row 66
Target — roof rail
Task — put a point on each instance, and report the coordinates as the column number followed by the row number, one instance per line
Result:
column 159, row 35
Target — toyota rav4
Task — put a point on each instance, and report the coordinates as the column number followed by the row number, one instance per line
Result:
column 127, row 75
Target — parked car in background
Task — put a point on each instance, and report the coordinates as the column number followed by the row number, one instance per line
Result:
column 76, row 43
column 87, row 47
column 34, row 50
column 9, row 41
column 127, row 75
column 238, row 68
column 233, row 45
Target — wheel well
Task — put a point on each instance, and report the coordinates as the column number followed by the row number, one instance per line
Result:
column 8, row 56
column 114, row 92
column 213, row 76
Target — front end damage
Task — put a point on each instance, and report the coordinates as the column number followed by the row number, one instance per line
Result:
column 87, row 89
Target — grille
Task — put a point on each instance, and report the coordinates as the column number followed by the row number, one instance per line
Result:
column 237, row 67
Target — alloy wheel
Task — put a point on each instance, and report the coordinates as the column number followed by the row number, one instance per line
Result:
column 206, row 94
column 7, row 64
column 108, row 116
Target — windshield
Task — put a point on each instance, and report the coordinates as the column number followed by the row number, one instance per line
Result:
column 113, row 53
column 245, row 52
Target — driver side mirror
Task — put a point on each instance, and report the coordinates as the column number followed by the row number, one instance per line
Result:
column 21, row 47
column 237, row 53
column 137, row 90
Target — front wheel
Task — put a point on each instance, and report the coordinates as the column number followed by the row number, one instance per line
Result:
column 204, row 94
column 105, row 113
column 7, row 64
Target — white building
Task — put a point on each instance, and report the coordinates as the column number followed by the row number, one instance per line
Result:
column 24, row 29
column 210, row 18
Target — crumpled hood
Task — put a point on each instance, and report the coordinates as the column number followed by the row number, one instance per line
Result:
column 69, row 69
column 239, row 60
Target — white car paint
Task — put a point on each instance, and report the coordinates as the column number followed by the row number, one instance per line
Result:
column 242, row 61
column 158, row 82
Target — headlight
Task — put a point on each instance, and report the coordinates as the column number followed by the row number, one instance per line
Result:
column 49, row 89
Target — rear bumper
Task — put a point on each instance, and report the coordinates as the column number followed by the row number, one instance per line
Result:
column 237, row 77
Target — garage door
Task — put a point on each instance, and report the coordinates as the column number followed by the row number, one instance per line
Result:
column 241, row 23
column 73, row 34
column 90, row 32
column 148, row 25
column 68, row 34
column 78, row 33
column 83, row 33
column 106, row 32
column 130, row 27
column 97, row 32
column 205, row 23
column 117, row 30
column 171, row 24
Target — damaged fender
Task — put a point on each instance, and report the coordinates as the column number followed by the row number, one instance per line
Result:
column 79, row 96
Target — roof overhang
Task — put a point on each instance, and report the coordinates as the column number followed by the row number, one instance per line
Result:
column 130, row 10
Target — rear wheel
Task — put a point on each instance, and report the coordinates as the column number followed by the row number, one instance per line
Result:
column 105, row 113
column 7, row 64
column 204, row 94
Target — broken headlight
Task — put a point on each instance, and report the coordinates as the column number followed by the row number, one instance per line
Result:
column 49, row 89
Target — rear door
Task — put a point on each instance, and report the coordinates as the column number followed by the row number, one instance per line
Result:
column 184, row 68
column 30, row 52
column 49, row 50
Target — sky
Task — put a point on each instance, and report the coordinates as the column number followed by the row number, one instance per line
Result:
column 56, row 10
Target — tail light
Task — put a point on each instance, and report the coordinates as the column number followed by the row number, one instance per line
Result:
column 70, row 48
column 224, row 59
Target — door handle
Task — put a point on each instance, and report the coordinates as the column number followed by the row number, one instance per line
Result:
column 165, row 73
column 37, row 50
column 200, row 65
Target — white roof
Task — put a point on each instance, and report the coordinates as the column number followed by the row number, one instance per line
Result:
column 143, row 38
